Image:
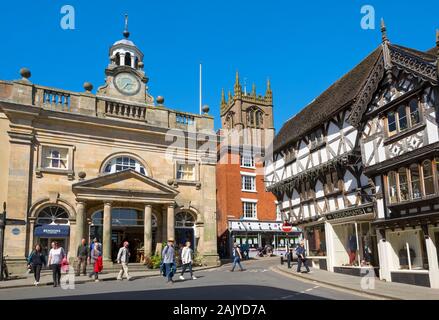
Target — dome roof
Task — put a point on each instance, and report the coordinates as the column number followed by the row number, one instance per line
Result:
column 125, row 42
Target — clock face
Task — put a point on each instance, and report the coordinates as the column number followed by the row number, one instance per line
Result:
column 127, row 83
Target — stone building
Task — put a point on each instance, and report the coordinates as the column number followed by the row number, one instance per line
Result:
column 105, row 165
column 246, row 211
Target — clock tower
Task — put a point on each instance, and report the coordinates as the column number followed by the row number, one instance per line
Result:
column 125, row 77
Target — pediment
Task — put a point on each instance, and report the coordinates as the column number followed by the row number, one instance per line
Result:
column 126, row 181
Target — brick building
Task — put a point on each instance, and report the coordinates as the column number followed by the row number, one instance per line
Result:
column 246, row 213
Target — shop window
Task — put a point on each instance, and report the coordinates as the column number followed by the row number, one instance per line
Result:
column 409, row 250
column 427, row 171
column 316, row 240
column 123, row 217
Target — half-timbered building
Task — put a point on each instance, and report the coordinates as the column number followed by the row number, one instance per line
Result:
column 358, row 168
column 317, row 175
column 400, row 147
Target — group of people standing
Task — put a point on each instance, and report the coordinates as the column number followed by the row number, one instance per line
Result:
column 92, row 255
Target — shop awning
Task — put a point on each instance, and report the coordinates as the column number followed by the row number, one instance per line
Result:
column 52, row 231
column 258, row 226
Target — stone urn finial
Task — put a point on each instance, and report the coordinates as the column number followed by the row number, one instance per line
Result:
column 25, row 73
column 206, row 109
column 88, row 87
column 160, row 100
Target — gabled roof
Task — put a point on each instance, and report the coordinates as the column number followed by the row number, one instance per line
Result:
column 428, row 55
column 339, row 95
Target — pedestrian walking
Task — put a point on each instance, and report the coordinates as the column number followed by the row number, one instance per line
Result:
column 95, row 259
column 186, row 260
column 56, row 256
column 237, row 256
column 81, row 257
column 168, row 266
column 301, row 257
column 36, row 261
column 123, row 257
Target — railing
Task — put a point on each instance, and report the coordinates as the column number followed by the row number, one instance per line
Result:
column 121, row 110
column 184, row 119
column 56, row 99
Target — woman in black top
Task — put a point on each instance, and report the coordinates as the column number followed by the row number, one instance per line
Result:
column 37, row 260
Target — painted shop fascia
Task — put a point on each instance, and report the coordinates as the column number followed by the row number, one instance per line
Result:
column 78, row 164
column 368, row 218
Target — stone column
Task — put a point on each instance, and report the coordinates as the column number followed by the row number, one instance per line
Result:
column 106, row 241
column 170, row 222
column 148, row 230
column 164, row 223
column 80, row 222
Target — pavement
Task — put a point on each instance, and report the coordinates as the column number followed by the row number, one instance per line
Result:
column 371, row 286
column 27, row 280
column 257, row 282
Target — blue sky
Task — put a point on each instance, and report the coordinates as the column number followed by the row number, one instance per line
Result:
column 302, row 46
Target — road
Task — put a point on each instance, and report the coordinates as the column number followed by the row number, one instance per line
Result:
column 258, row 282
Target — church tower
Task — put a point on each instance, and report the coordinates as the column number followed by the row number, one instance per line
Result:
column 125, row 76
column 248, row 111
column 243, row 204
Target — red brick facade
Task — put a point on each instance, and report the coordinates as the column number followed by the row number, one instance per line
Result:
column 229, row 193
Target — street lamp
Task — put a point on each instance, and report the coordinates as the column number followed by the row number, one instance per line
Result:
column 2, row 239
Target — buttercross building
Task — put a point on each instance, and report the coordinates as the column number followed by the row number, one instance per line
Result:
column 81, row 165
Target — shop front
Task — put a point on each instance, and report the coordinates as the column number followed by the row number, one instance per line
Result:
column 409, row 249
column 351, row 241
column 315, row 244
column 52, row 225
column 254, row 235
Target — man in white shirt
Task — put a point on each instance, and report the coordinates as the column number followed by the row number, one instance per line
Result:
column 186, row 259
column 123, row 257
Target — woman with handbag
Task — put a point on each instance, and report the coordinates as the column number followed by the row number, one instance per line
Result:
column 36, row 261
column 96, row 261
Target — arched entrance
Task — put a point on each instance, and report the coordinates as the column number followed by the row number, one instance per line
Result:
column 52, row 224
column 127, row 225
column 185, row 228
